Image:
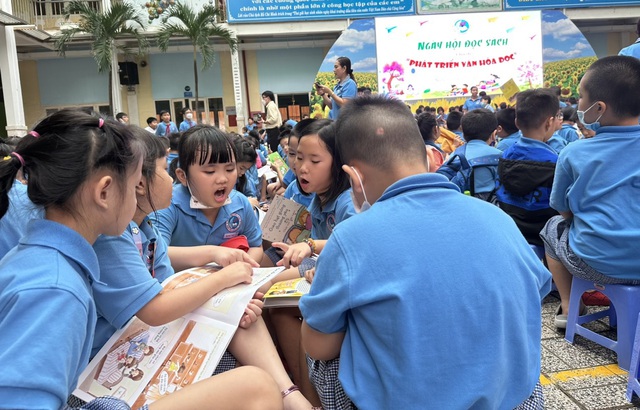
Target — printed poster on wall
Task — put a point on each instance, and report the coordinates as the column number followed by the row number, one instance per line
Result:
column 457, row 6
column 565, row 4
column 441, row 56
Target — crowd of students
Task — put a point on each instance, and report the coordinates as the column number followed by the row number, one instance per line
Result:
column 107, row 218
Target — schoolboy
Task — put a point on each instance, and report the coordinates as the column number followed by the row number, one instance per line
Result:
column 363, row 305
column 508, row 133
column 479, row 130
column 152, row 124
column 569, row 118
column 167, row 126
column 525, row 171
column 597, row 235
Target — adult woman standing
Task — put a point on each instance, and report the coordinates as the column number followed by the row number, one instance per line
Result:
column 343, row 91
column 274, row 120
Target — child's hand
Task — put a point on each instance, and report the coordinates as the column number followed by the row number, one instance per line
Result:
column 236, row 273
column 253, row 311
column 226, row 256
column 308, row 275
column 293, row 254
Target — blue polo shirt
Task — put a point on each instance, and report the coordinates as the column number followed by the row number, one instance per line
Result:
column 293, row 192
column 471, row 104
column 597, row 179
column 288, row 178
column 186, row 124
column 325, row 219
column 161, row 130
column 180, row 225
column 48, row 316
column 348, row 89
column 568, row 133
column 557, row 142
column 633, row 50
column 14, row 223
column 127, row 286
column 508, row 141
column 392, row 357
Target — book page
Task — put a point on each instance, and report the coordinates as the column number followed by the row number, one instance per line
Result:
column 277, row 160
column 145, row 363
column 286, row 221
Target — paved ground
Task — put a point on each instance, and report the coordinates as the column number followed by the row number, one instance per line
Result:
column 583, row 375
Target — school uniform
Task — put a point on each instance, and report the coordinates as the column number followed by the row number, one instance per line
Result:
column 484, row 177
column 366, row 280
column 48, row 315
column 186, row 124
column 633, row 50
column 288, row 178
column 472, row 104
column 568, row 133
column 508, row 141
column 161, row 129
column 597, row 180
column 14, row 223
column 180, row 225
column 325, row 219
column 557, row 142
column 347, row 89
column 293, row 192
column 127, row 284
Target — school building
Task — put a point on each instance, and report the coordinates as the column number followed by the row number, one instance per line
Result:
column 283, row 57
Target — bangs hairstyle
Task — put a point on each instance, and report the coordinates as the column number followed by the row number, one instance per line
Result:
column 614, row 80
column 155, row 149
column 325, row 129
column 205, row 144
column 534, row 107
column 379, row 132
column 70, row 147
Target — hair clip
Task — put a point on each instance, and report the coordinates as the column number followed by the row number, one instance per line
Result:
column 34, row 134
column 100, row 123
column 7, row 158
column 15, row 154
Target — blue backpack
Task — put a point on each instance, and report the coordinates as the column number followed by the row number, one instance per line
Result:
column 459, row 170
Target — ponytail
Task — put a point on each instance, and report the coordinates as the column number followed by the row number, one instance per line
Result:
column 9, row 167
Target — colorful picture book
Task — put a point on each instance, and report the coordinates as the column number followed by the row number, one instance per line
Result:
column 140, row 363
column 277, row 160
column 286, row 293
column 286, row 221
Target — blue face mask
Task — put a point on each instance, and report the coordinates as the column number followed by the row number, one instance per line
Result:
column 591, row 125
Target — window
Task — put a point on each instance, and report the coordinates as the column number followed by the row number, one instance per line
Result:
column 293, row 106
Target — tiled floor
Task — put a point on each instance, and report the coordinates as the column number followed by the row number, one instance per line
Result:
column 579, row 376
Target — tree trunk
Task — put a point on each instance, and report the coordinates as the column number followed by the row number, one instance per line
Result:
column 195, row 76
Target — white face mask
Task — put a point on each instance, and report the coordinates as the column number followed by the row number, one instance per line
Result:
column 582, row 113
column 195, row 204
column 188, row 116
column 365, row 205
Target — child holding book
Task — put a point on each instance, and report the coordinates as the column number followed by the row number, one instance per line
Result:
column 353, row 297
column 83, row 171
column 597, row 234
column 205, row 210
column 133, row 265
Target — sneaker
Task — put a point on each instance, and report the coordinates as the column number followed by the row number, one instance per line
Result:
column 595, row 298
column 560, row 321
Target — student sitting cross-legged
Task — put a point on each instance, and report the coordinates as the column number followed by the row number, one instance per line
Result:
column 397, row 348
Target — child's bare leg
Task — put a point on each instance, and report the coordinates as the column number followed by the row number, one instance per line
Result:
column 253, row 346
column 243, row 388
column 562, row 278
column 287, row 274
column 286, row 323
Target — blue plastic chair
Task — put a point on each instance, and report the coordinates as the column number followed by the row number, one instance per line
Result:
column 633, row 386
column 623, row 314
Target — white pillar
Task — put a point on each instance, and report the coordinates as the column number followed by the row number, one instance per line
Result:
column 115, row 83
column 132, row 111
column 11, row 87
column 238, row 89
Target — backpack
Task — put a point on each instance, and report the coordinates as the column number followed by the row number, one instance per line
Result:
column 459, row 170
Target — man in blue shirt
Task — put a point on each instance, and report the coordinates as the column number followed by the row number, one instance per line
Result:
column 364, row 307
column 634, row 49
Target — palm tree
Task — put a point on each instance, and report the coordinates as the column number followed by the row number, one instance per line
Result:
column 181, row 20
column 121, row 20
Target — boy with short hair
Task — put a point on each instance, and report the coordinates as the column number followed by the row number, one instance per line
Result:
column 525, row 171
column 597, row 235
column 508, row 133
column 152, row 124
column 364, row 306
column 167, row 126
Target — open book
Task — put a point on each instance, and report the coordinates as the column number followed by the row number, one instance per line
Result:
column 286, row 221
column 140, row 364
column 277, row 160
column 286, row 293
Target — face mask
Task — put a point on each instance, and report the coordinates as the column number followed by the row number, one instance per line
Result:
column 590, row 124
column 188, row 116
column 365, row 205
column 195, row 204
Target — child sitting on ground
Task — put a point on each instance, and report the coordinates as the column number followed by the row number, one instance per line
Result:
column 596, row 237
column 525, row 171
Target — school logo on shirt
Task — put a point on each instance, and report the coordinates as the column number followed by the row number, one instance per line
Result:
column 234, row 222
column 331, row 222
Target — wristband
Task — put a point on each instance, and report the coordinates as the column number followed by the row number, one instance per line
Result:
column 312, row 245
